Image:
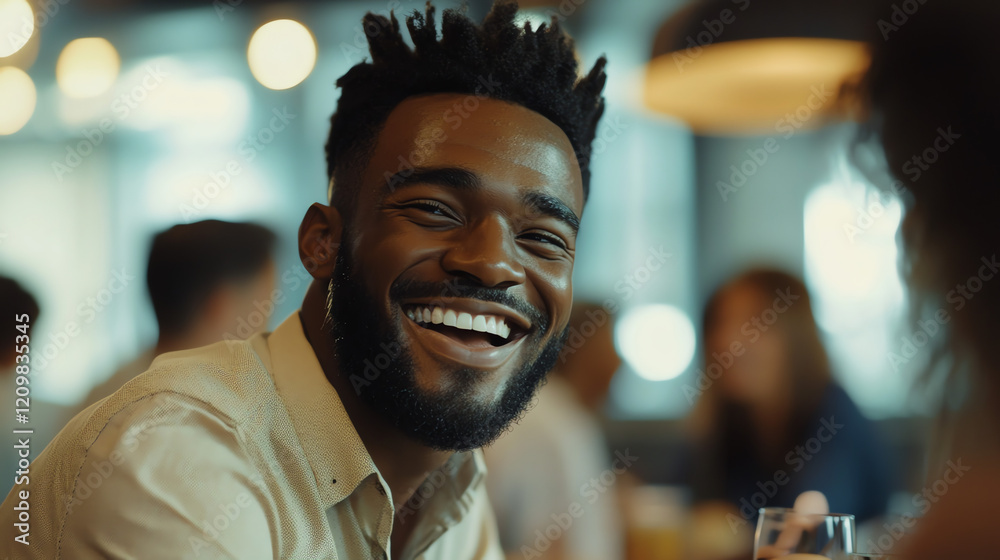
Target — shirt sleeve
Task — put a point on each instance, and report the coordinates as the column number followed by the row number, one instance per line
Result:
column 167, row 478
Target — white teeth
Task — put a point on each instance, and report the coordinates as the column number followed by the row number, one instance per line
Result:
column 464, row 321
column 461, row 320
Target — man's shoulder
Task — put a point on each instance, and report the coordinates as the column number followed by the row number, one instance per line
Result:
column 139, row 453
column 214, row 372
column 211, row 407
column 227, row 380
column 225, row 355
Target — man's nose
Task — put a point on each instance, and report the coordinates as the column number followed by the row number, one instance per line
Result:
column 487, row 254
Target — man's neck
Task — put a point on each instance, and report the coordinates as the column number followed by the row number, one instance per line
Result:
column 403, row 462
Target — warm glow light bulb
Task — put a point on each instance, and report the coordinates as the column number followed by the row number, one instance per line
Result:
column 17, row 24
column 87, row 67
column 281, row 54
column 17, row 97
column 657, row 341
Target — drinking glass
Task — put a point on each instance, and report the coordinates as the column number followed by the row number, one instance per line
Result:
column 789, row 535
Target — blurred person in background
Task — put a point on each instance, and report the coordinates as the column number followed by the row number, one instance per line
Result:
column 932, row 96
column 15, row 304
column 548, row 460
column 773, row 423
column 208, row 281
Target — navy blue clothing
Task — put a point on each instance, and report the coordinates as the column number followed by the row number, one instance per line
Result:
column 839, row 453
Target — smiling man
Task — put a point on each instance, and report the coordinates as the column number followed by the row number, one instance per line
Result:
column 442, row 289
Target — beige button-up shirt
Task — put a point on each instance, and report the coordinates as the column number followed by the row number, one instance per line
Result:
column 237, row 450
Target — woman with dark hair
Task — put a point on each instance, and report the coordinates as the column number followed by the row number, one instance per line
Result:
column 932, row 94
column 773, row 423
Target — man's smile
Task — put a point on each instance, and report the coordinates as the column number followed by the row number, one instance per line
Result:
column 473, row 333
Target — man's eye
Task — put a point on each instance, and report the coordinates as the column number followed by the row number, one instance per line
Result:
column 431, row 207
column 545, row 238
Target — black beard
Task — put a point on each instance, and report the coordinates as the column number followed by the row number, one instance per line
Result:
column 372, row 355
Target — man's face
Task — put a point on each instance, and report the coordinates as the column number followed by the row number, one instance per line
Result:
column 453, row 283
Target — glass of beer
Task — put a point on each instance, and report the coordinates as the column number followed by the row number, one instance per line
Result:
column 789, row 535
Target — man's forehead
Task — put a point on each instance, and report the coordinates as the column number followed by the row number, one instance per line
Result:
column 461, row 129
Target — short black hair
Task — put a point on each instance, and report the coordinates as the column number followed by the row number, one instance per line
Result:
column 188, row 262
column 15, row 301
column 534, row 68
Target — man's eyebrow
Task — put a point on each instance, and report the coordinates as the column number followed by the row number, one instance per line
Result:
column 552, row 206
column 454, row 177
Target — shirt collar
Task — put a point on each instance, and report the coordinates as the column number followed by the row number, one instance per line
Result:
column 336, row 454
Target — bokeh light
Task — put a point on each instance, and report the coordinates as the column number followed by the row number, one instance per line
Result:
column 87, row 67
column 17, row 97
column 656, row 340
column 17, row 25
column 281, row 54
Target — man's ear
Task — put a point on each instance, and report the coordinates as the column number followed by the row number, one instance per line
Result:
column 319, row 240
